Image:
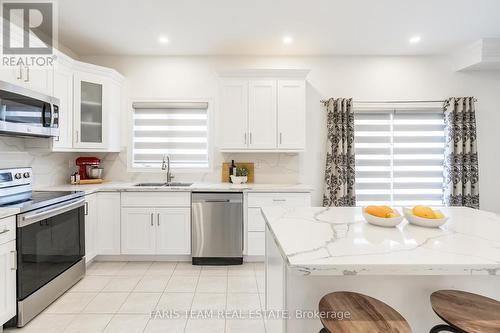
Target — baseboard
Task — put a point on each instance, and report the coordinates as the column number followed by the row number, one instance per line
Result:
column 186, row 258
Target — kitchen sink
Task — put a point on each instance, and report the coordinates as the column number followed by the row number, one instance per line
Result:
column 172, row 184
column 178, row 184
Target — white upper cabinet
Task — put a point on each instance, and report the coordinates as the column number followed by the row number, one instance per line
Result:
column 262, row 110
column 291, row 114
column 233, row 118
column 262, row 114
column 90, row 107
column 90, row 122
column 63, row 90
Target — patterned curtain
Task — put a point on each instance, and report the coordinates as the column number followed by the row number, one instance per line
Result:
column 461, row 171
column 340, row 171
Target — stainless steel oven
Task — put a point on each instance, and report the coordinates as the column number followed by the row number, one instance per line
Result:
column 24, row 112
column 50, row 241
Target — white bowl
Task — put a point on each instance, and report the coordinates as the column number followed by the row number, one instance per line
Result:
column 422, row 221
column 390, row 222
column 239, row 179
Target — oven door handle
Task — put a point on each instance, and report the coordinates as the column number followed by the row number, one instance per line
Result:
column 65, row 207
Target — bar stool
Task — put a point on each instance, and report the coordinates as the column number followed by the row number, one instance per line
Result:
column 367, row 314
column 465, row 312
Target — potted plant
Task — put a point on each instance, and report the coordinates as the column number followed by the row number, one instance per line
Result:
column 241, row 176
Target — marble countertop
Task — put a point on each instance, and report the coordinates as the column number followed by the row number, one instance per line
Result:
column 6, row 212
column 215, row 187
column 338, row 241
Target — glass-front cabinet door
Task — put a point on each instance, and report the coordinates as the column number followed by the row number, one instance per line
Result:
column 90, row 119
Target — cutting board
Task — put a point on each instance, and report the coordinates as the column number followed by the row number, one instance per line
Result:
column 90, row 181
column 248, row 165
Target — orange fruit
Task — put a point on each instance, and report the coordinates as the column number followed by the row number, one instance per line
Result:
column 379, row 211
column 424, row 211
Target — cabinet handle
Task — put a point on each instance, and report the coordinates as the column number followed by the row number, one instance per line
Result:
column 20, row 76
column 14, row 268
column 245, row 137
column 281, row 137
column 279, row 200
column 250, row 137
column 4, row 231
column 158, row 218
column 76, row 133
column 27, row 74
column 152, row 223
column 86, row 210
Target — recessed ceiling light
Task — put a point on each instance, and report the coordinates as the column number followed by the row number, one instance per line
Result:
column 414, row 39
column 287, row 40
column 163, row 39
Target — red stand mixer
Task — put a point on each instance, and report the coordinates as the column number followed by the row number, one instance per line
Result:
column 84, row 162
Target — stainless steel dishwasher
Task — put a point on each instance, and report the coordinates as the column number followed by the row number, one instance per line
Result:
column 217, row 228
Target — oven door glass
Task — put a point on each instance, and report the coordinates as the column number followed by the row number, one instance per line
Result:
column 48, row 247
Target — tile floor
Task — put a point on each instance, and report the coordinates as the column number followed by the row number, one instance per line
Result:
column 129, row 297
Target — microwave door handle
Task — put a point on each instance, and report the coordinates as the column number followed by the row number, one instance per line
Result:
column 36, row 217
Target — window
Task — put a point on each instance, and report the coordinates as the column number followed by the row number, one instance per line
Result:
column 399, row 156
column 179, row 130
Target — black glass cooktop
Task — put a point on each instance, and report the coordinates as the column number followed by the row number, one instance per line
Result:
column 36, row 199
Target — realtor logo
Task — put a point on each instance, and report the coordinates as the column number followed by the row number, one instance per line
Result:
column 33, row 18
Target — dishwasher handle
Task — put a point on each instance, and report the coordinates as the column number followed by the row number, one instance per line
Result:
column 221, row 200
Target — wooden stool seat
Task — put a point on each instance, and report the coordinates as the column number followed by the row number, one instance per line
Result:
column 466, row 312
column 367, row 314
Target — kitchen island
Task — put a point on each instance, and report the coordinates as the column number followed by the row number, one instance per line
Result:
column 314, row 251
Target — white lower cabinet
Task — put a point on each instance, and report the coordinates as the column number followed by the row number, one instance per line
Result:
column 138, row 230
column 173, row 235
column 108, row 223
column 255, row 220
column 7, row 270
column 90, row 227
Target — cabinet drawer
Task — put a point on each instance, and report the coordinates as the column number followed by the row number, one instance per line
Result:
column 7, row 229
column 256, row 221
column 256, row 244
column 156, row 199
column 277, row 199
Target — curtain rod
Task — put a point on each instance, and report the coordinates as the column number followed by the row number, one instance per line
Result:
column 324, row 101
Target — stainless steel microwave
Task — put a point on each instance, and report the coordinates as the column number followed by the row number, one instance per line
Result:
column 24, row 112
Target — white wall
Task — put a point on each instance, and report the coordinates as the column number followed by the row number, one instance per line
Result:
column 364, row 78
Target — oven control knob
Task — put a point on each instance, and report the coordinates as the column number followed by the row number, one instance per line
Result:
column 18, row 176
column 26, row 175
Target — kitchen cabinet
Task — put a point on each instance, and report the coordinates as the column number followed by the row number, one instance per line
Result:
column 90, row 227
column 89, row 102
column 173, row 235
column 90, row 107
column 156, row 230
column 233, row 119
column 63, row 90
column 255, row 221
column 138, row 230
column 156, row 223
column 8, row 260
column 108, row 223
column 291, row 114
column 264, row 112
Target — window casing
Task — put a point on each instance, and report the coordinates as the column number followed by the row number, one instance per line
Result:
column 177, row 129
column 399, row 156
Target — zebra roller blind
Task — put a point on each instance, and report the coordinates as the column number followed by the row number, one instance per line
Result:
column 399, row 156
column 177, row 129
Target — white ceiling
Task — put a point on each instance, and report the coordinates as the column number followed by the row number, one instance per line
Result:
column 257, row 27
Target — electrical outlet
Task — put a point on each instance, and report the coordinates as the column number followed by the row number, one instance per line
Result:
column 70, row 164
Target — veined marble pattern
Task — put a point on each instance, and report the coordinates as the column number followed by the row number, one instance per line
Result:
column 337, row 241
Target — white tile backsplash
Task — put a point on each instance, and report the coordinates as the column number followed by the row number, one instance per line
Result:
column 51, row 168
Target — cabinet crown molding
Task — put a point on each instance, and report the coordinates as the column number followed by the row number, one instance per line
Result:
column 299, row 74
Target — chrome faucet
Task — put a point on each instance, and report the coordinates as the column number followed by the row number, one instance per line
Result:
column 165, row 165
